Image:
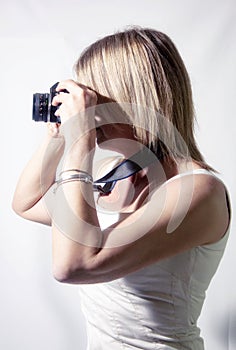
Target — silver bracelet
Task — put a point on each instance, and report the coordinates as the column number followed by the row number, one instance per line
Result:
column 76, row 170
column 81, row 176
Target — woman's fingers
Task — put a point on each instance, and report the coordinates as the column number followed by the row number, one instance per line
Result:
column 75, row 100
column 53, row 129
column 78, row 90
column 59, row 98
column 69, row 85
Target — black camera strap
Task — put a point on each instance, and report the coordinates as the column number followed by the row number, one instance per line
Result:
column 127, row 168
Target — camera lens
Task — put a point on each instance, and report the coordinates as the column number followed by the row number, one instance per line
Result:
column 40, row 107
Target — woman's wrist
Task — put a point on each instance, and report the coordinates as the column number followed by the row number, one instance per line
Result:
column 53, row 130
column 80, row 156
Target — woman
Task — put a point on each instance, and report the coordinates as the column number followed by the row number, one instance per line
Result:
column 143, row 278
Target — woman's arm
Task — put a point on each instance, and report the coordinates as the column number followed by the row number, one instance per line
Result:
column 84, row 254
column 37, row 177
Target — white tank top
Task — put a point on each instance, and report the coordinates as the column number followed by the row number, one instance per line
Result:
column 155, row 308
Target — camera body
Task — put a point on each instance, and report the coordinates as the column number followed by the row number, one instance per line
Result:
column 43, row 111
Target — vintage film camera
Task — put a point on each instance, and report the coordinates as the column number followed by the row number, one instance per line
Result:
column 43, row 111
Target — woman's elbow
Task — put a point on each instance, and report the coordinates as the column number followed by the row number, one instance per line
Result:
column 20, row 212
column 83, row 274
column 64, row 273
column 60, row 275
column 17, row 208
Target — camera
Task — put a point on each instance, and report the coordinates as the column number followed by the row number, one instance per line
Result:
column 43, row 111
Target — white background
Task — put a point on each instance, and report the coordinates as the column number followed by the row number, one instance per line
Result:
column 39, row 42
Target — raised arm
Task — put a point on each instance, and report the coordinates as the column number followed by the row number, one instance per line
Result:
column 37, row 177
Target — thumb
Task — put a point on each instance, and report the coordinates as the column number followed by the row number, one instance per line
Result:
column 53, row 129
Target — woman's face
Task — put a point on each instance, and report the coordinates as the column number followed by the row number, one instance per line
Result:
column 113, row 126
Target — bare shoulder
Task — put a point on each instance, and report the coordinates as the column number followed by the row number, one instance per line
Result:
column 201, row 197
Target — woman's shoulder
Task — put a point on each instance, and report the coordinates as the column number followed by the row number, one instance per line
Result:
column 203, row 194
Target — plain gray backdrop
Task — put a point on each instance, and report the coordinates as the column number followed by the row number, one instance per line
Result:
column 40, row 41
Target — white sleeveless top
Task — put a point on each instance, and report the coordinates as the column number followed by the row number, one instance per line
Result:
column 155, row 308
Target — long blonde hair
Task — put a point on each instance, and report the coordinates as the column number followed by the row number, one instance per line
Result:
column 142, row 67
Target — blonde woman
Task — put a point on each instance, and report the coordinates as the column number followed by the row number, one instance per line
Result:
column 144, row 277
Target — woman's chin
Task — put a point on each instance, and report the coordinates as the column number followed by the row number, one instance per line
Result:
column 105, row 145
column 100, row 137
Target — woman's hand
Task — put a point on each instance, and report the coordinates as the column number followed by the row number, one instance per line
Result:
column 78, row 107
column 78, row 98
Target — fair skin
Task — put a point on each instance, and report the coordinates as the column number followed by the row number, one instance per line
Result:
column 82, row 252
